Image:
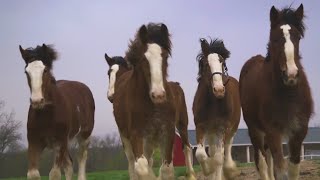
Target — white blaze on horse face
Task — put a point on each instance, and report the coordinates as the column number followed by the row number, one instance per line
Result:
column 216, row 66
column 154, row 58
column 112, row 80
column 35, row 71
column 292, row 69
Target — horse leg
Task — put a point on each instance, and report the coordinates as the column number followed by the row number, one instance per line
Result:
column 274, row 142
column 55, row 172
column 148, row 148
column 166, row 169
column 141, row 167
column 128, row 151
column 216, row 150
column 229, row 168
column 258, row 145
column 269, row 161
column 183, row 130
column 34, row 151
column 68, row 168
column 82, row 156
column 201, row 154
column 295, row 142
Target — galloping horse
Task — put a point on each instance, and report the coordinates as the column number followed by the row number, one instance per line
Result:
column 216, row 109
column 145, row 107
column 119, row 66
column 59, row 112
column 276, row 98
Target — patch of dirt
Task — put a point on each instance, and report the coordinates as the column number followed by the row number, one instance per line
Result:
column 309, row 170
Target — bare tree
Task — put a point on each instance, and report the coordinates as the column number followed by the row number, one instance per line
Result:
column 9, row 130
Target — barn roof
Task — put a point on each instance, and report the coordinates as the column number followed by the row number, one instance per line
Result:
column 242, row 138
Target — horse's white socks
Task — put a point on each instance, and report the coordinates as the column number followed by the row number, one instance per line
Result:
column 293, row 171
column 167, row 171
column 188, row 160
column 33, row 174
column 141, row 167
column 263, row 167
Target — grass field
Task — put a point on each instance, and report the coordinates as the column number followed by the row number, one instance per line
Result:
column 114, row 175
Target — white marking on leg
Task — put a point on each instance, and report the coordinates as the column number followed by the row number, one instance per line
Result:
column 82, row 157
column 188, row 158
column 154, row 58
column 68, row 169
column 166, row 171
column 55, row 172
column 202, row 158
column 33, row 174
column 229, row 167
column 130, row 157
column 218, row 157
column 289, row 52
column 216, row 66
column 113, row 75
column 263, row 167
column 35, row 71
column 148, row 149
column 141, row 167
column 270, row 165
column 293, row 171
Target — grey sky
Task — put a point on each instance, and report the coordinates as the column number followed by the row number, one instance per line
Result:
column 82, row 31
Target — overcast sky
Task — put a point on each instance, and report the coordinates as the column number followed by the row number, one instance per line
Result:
column 82, row 31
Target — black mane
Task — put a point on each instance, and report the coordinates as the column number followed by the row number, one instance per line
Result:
column 45, row 53
column 119, row 60
column 215, row 46
column 156, row 36
column 287, row 16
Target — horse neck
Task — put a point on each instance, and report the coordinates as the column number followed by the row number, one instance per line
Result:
column 139, row 83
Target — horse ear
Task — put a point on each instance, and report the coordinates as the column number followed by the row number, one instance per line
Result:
column 164, row 29
column 143, row 33
column 204, row 46
column 44, row 46
column 23, row 53
column 299, row 12
column 108, row 59
column 274, row 15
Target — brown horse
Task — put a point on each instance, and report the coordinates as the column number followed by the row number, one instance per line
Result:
column 145, row 107
column 59, row 112
column 216, row 109
column 276, row 98
column 119, row 66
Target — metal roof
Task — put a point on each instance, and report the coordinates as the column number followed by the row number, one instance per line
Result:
column 242, row 137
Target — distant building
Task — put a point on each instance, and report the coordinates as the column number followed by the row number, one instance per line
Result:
column 242, row 150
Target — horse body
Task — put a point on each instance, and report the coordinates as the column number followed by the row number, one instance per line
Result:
column 146, row 113
column 65, row 112
column 275, row 105
column 216, row 114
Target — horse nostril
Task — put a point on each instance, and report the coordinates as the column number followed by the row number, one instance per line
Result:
column 41, row 100
column 153, row 95
column 214, row 89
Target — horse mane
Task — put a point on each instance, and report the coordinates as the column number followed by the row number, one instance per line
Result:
column 46, row 53
column 136, row 49
column 287, row 16
column 215, row 46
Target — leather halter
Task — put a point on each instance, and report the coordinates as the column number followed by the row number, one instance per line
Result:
column 225, row 72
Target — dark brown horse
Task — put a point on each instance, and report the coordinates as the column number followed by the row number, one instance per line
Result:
column 216, row 109
column 275, row 97
column 145, row 107
column 119, row 66
column 59, row 112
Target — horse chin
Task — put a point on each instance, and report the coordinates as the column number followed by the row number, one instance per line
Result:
column 158, row 100
column 291, row 82
column 37, row 106
column 218, row 95
column 110, row 98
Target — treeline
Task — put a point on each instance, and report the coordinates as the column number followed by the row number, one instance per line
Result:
column 105, row 153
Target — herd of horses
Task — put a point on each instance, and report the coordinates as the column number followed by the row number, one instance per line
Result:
column 272, row 91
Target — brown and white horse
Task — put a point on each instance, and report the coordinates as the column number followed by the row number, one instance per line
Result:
column 216, row 109
column 145, row 107
column 59, row 112
column 119, row 66
column 276, row 98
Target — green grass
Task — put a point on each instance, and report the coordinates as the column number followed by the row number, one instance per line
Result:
column 123, row 174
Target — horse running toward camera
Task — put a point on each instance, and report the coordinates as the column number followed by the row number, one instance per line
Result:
column 276, row 98
column 216, row 109
column 145, row 106
column 119, row 66
column 59, row 112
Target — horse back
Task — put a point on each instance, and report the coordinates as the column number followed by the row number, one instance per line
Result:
column 81, row 105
